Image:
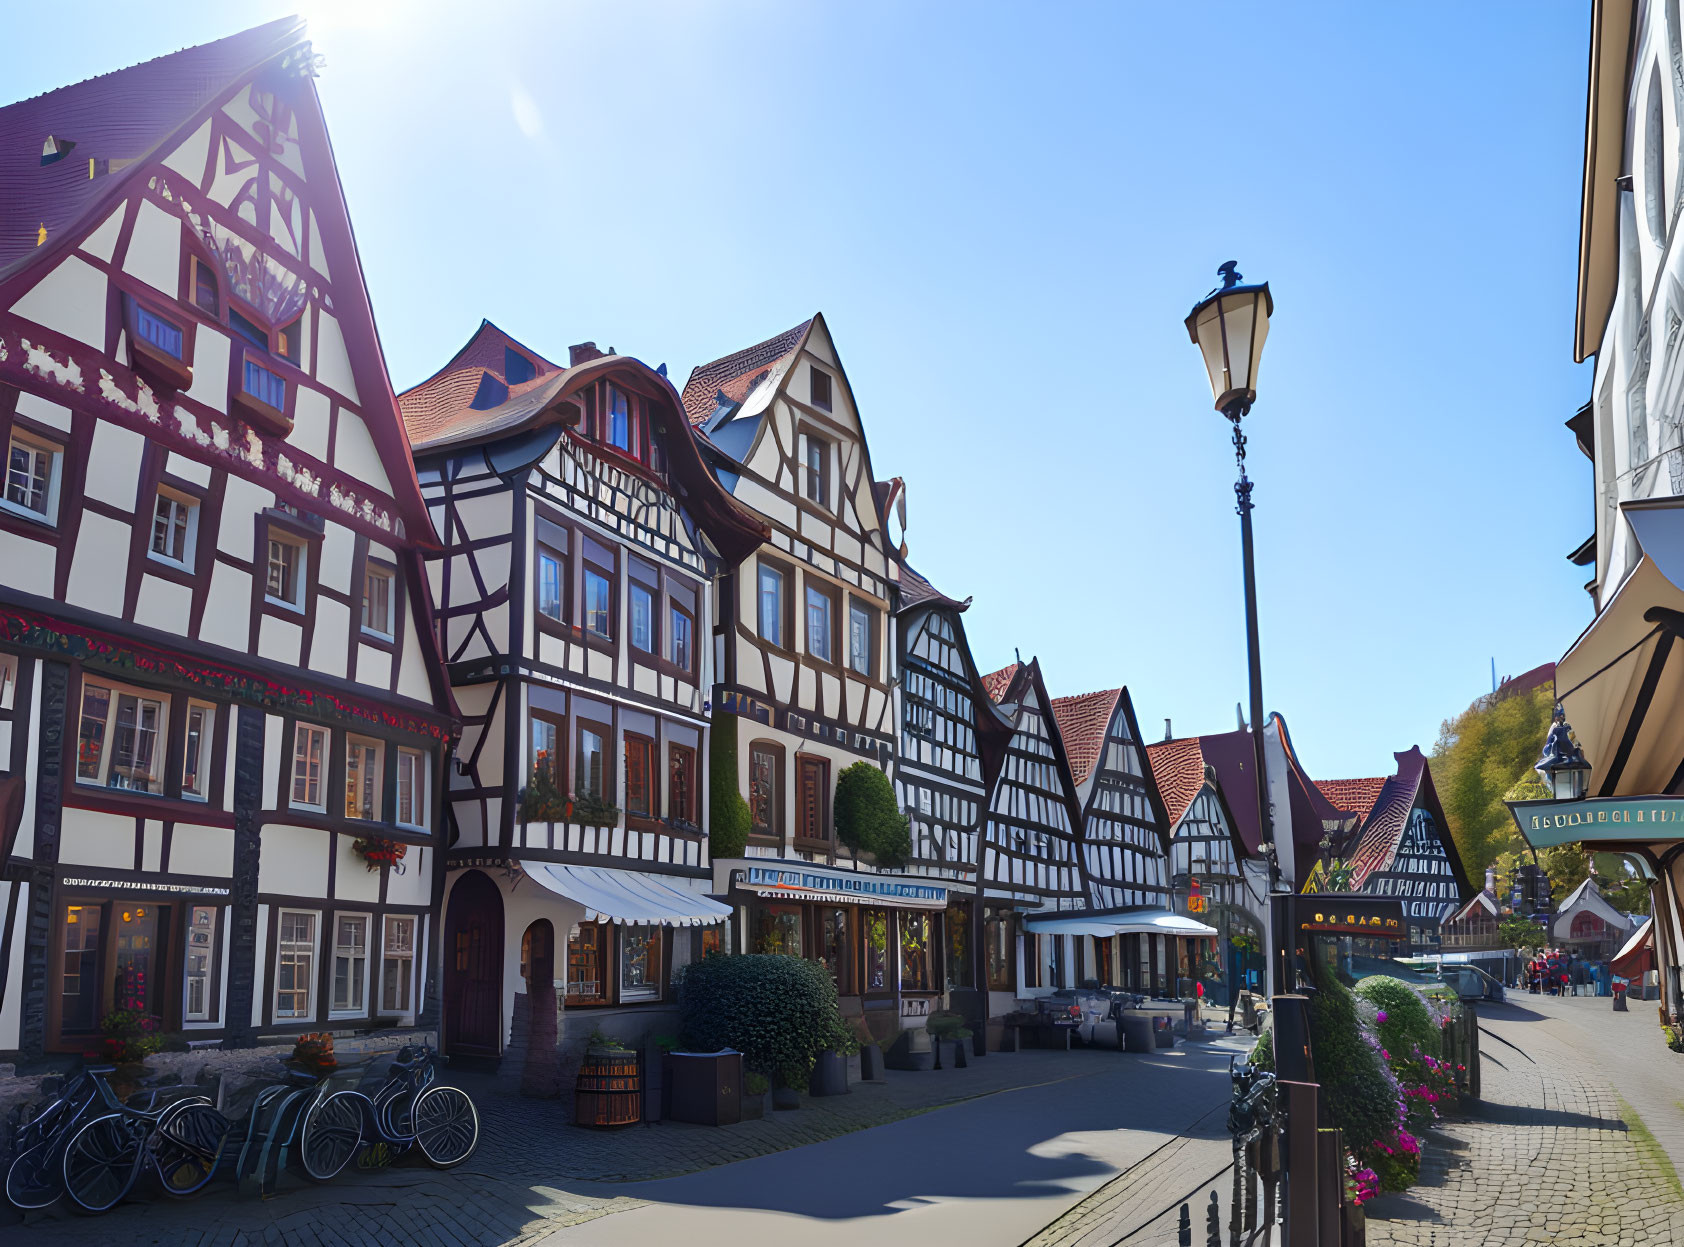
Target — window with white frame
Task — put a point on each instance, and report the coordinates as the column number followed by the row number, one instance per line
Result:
column 412, row 788
column 32, row 477
column 295, row 964
column 363, row 758
column 378, row 601
column 552, row 583
column 350, row 963
column 288, row 561
column 196, row 1001
column 397, row 963
column 309, row 766
column 121, row 737
column 196, row 750
column 175, row 527
column 8, row 680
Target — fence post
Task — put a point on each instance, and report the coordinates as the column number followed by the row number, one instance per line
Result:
column 1184, row 1234
column 1330, row 1184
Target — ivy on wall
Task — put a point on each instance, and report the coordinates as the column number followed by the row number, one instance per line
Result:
column 728, row 814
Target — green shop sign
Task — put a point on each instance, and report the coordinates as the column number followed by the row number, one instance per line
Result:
column 1641, row 820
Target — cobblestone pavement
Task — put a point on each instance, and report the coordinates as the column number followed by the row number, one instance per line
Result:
column 1555, row 1154
column 534, row 1172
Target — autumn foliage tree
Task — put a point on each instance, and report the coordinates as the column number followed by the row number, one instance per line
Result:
column 1481, row 755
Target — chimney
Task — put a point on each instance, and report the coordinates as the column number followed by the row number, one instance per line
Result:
column 1169, row 732
column 582, row 354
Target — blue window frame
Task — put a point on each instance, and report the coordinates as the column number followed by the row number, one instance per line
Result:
column 598, row 604
column 265, row 386
column 158, row 331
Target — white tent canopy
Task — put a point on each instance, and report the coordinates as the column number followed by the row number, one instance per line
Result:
column 627, row 897
column 1139, row 922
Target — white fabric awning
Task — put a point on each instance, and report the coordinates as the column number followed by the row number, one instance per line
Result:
column 626, row 896
column 1140, row 922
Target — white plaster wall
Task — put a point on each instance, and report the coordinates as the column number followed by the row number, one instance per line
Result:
column 163, row 604
column 154, row 253
column 71, row 299
column 92, row 838
column 30, row 565
column 294, row 860
column 100, row 565
column 196, row 850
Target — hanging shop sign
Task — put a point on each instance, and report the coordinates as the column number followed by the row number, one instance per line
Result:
column 806, row 883
column 158, row 887
column 1350, row 915
column 1546, row 824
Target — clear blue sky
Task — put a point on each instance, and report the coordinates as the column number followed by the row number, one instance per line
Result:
column 1005, row 212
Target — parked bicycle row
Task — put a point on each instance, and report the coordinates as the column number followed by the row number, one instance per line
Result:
column 90, row 1147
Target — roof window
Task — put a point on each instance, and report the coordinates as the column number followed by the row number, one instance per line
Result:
column 491, row 393
column 516, row 367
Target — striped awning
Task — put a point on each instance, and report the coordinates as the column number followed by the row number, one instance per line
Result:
column 628, row 897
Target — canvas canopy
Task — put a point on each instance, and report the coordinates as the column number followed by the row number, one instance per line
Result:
column 623, row 896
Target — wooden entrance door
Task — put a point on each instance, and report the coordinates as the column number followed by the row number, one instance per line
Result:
column 473, row 975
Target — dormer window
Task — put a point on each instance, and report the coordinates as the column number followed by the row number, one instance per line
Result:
column 619, row 420
column 819, row 386
column 158, row 332
column 160, row 347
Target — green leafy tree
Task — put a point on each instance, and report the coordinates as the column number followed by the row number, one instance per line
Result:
column 869, row 818
column 1481, row 755
column 1514, row 931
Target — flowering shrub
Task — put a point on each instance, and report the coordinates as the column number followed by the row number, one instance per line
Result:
column 1396, row 1160
column 1361, row 1182
column 130, row 1036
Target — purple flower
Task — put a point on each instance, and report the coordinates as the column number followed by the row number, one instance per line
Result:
column 1381, row 1017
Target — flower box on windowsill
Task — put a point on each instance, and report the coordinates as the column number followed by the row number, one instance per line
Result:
column 254, row 409
column 592, row 811
column 168, row 369
column 376, row 853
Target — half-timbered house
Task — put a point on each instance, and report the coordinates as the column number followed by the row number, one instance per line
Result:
column 223, row 724
column 1216, row 880
column 952, row 743
column 1401, row 847
column 806, row 672
column 1031, row 857
column 581, row 534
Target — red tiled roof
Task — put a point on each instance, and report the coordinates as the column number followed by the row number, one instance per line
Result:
column 1354, row 796
column 995, row 683
column 439, row 407
column 120, row 118
column 736, row 372
column 1082, row 721
column 1383, row 828
column 1179, row 768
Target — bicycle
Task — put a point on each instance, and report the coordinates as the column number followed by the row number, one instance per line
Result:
column 92, row 1148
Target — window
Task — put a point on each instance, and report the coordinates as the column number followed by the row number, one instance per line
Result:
column 287, row 563
column 295, row 964
column 397, row 963
column 350, row 963
column 777, row 929
column 175, row 523
column 771, row 605
column 32, row 473
column 598, row 604
column 619, row 421
column 204, row 288
column 196, row 750
column 819, row 386
column 765, row 770
column 363, row 759
column 158, row 332
column 874, row 927
column 812, row 792
column 681, row 784
column 249, row 330
column 586, row 952
column 997, row 945
column 833, row 947
column 640, row 776
column 915, row 941
column 551, row 583
column 201, row 957
column 412, row 788
column 862, row 628
column 681, row 626
column 958, row 924
column 377, row 601
column 264, row 386
column 640, row 963
column 546, row 752
column 589, row 778
column 817, row 474
column 81, row 995
column 309, row 751
column 642, row 618
column 8, row 680
column 121, row 741
column 819, row 607
column 287, row 339
column 516, row 367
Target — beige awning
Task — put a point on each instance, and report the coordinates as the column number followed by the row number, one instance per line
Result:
column 1622, row 683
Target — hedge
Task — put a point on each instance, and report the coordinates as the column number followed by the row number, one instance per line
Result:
column 780, row 1012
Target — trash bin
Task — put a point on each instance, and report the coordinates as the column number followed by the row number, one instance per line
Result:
column 705, row 1088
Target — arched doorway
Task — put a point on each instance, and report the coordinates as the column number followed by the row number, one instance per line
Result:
column 473, row 968
column 537, row 956
column 541, row 1073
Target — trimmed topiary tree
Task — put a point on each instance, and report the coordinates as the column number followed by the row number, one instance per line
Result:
column 729, row 821
column 779, row 1012
column 869, row 817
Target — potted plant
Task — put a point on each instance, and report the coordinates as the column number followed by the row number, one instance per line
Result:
column 376, row 852
column 541, row 801
column 592, row 810
column 948, row 1031
column 314, row 1054
column 755, row 1087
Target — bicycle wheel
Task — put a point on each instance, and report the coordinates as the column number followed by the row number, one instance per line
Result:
column 186, row 1147
column 330, row 1135
column 32, row 1179
column 446, row 1126
column 102, row 1161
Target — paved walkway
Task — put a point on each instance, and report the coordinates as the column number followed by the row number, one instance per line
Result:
column 1556, row 1153
column 535, row 1173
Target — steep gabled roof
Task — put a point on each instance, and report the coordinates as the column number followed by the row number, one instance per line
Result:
column 996, row 683
column 1382, row 831
column 1356, row 796
column 735, row 374
column 916, row 591
column 442, row 408
column 115, row 121
column 1179, row 768
column 1082, row 721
